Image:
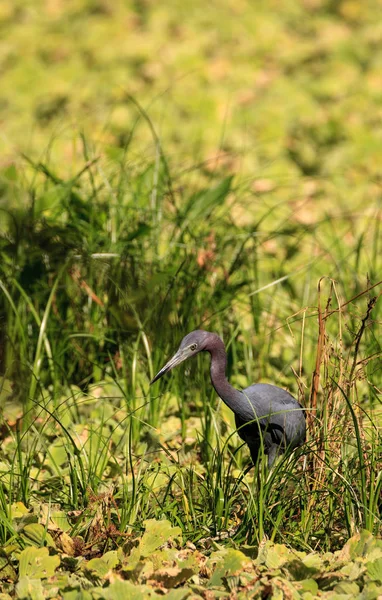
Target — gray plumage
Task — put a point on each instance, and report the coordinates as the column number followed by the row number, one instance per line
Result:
column 264, row 413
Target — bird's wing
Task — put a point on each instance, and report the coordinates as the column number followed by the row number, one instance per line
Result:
column 277, row 410
column 269, row 393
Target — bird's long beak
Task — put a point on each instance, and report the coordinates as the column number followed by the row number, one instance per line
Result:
column 179, row 357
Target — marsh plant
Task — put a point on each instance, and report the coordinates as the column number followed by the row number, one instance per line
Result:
column 101, row 275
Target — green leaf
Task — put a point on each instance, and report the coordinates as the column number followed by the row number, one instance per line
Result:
column 347, row 587
column 180, row 594
column 18, row 510
column 156, row 534
column 7, row 572
column 274, row 555
column 299, row 570
column 78, row 595
column 171, row 577
column 228, row 564
column 36, row 534
column 314, row 562
column 36, row 563
column 358, row 546
column 53, row 518
column 121, row 590
column 58, row 454
column 309, row 585
column 374, row 570
column 30, row 589
column 131, row 561
column 101, row 566
column 371, row 591
column 353, row 570
column 282, row 588
column 59, row 519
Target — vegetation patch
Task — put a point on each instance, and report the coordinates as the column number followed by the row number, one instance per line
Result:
column 224, row 178
column 160, row 563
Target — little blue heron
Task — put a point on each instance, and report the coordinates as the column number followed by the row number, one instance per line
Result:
column 264, row 414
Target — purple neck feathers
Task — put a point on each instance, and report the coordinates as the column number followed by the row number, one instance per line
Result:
column 231, row 396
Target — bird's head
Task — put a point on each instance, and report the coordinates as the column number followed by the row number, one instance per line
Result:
column 191, row 344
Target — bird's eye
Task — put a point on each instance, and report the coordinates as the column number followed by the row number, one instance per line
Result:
column 193, row 347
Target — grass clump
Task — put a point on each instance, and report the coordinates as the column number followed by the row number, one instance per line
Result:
column 102, row 274
column 111, row 250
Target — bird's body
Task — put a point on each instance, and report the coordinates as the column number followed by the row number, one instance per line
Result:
column 264, row 414
column 278, row 430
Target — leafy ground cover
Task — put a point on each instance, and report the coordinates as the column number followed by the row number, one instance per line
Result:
column 245, row 199
column 159, row 563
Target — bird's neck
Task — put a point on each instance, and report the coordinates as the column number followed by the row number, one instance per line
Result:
column 230, row 395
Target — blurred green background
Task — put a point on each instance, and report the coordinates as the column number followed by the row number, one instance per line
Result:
column 166, row 166
column 279, row 89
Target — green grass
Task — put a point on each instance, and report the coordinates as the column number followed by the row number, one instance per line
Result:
column 84, row 332
column 115, row 244
column 83, row 339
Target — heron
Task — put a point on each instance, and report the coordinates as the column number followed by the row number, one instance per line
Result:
column 266, row 416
